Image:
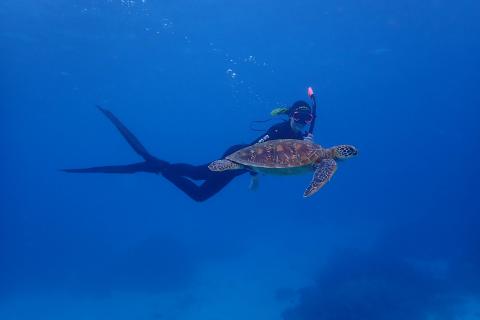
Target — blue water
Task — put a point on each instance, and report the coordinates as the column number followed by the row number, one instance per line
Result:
column 394, row 235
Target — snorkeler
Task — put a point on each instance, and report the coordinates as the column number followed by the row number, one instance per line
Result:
column 300, row 117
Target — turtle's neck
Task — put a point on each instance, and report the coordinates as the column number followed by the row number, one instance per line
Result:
column 329, row 153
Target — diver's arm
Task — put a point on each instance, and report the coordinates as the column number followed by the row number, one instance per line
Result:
column 271, row 133
column 308, row 136
column 262, row 138
column 274, row 132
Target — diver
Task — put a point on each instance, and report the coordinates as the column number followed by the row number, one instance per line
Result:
column 300, row 117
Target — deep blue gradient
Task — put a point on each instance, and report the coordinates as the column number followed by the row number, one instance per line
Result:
column 394, row 235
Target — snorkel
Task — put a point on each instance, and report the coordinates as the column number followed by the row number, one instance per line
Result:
column 301, row 114
column 288, row 112
column 314, row 110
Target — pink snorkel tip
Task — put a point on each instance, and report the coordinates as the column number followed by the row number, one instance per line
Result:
column 310, row 92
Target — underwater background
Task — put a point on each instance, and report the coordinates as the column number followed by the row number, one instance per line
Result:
column 394, row 234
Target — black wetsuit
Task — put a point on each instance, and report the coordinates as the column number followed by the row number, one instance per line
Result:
column 182, row 174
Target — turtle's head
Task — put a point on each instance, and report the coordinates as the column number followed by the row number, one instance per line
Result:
column 345, row 151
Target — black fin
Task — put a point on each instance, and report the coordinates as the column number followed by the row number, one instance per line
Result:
column 131, row 139
column 151, row 166
column 129, row 168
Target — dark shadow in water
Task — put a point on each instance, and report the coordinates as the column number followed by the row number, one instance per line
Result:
column 154, row 265
column 420, row 269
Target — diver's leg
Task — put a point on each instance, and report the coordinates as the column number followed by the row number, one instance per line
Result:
column 154, row 166
column 131, row 139
column 200, row 172
column 215, row 182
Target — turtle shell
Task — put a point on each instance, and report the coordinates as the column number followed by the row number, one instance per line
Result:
column 283, row 153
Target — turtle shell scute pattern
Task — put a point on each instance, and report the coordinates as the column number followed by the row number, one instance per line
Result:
column 284, row 153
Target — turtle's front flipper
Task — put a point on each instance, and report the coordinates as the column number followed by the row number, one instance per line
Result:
column 323, row 172
column 223, row 165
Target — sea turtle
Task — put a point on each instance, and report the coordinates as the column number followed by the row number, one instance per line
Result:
column 288, row 157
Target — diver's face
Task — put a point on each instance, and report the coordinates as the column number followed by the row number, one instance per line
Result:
column 300, row 119
column 297, row 125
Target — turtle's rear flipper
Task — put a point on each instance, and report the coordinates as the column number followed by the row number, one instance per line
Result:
column 253, row 182
column 223, row 165
column 131, row 139
column 323, row 172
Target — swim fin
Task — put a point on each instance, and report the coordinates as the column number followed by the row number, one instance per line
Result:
column 131, row 139
column 129, row 168
column 151, row 163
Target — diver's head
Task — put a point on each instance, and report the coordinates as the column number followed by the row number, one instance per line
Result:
column 300, row 115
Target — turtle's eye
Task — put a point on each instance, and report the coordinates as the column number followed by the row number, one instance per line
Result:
column 350, row 151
